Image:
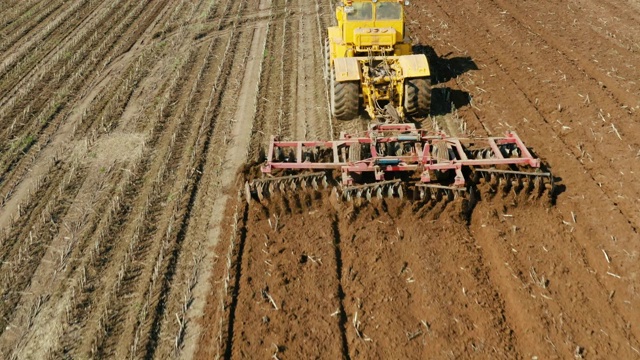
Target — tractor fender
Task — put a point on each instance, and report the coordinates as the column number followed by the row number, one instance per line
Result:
column 414, row 66
column 347, row 69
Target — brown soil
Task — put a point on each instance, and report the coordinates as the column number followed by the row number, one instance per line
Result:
column 124, row 125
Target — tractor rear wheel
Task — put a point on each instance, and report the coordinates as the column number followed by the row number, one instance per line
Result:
column 417, row 97
column 345, row 99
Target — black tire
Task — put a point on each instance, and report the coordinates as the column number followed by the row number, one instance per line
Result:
column 417, row 97
column 345, row 99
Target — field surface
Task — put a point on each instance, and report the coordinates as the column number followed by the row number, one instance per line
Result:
column 128, row 128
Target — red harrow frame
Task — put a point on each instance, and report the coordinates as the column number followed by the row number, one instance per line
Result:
column 389, row 157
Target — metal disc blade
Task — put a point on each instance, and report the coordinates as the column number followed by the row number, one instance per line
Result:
column 247, row 192
column 259, row 191
column 451, row 195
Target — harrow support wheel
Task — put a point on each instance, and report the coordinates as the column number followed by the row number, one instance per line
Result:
column 417, row 97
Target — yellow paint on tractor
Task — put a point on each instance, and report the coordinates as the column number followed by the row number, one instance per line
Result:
column 371, row 59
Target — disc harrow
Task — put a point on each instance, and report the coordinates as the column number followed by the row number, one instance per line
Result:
column 395, row 160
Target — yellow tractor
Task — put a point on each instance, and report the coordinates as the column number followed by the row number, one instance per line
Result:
column 371, row 60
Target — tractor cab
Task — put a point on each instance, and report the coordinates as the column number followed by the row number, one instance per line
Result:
column 372, row 27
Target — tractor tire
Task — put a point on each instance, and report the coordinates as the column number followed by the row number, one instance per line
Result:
column 345, row 99
column 417, row 97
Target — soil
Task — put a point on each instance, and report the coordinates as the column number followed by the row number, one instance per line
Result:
column 128, row 129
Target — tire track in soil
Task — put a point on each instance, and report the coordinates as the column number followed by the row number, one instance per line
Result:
column 342, row 315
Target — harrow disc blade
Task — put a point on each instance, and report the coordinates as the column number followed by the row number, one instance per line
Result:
column 449, row 195
column 247, row 192
column 438, row 193
column 267, row 187
column 528, row 185
column 517, row 182
column 377, row 189
column 259, row 189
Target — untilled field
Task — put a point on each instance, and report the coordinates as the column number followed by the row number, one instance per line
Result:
column 125, row 127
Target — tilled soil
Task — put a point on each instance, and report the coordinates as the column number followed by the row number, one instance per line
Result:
column 128, row 128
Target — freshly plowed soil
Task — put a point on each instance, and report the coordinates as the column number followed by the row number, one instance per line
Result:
column 128, row 129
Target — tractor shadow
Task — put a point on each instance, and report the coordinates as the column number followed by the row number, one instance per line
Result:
column 443, row 69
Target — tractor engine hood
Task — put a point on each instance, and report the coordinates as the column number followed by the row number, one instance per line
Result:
column 373, row 37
